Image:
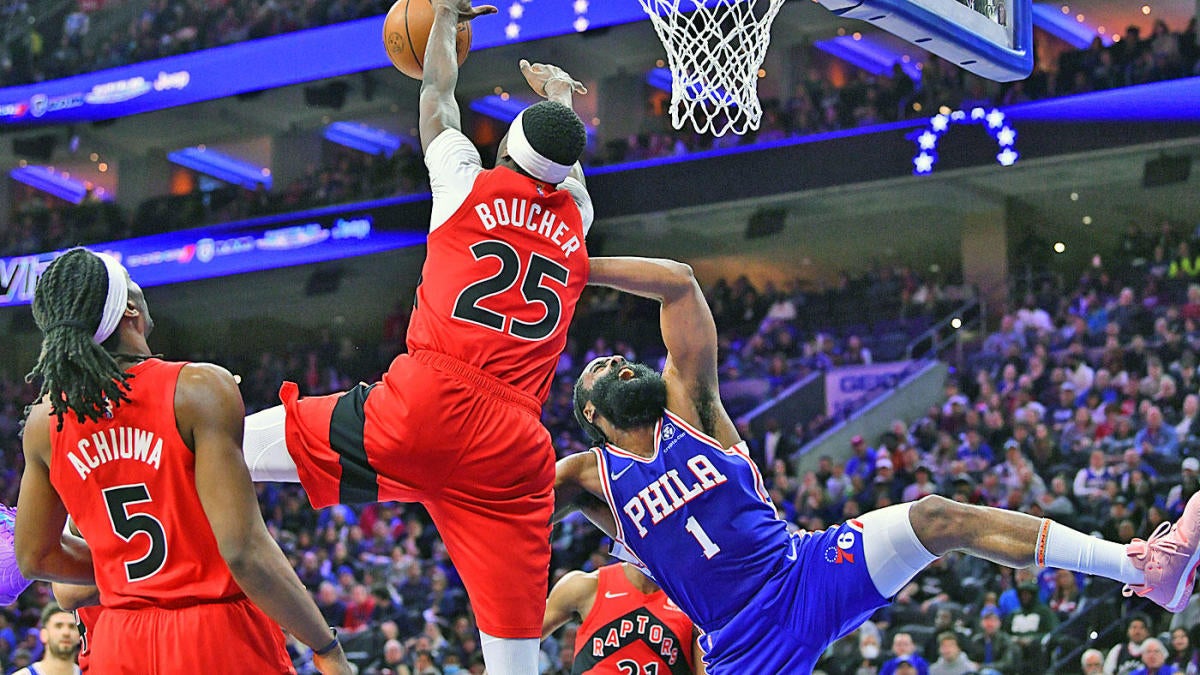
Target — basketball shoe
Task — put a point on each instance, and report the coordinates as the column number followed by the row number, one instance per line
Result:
column 1168, row 558
column 12, row 583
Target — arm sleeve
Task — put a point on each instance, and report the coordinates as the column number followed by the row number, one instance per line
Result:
column 453, row 164
column 582, row 199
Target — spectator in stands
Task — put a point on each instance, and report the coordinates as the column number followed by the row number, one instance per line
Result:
column 1189, row 410
column 951, row 659
column 1189, row 483
column 1029, row 623
column 1126, row 657
column 1184, row 657
column 1091, row 662
column 921, row 486
column 991, row 647
column 975, row 454
column 862, row 463
column 1065, row 597
column 1156, row 438
column 904, row 651
column 1090, row 481
column 1154, row 659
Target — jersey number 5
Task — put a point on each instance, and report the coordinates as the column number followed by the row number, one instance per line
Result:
column 117, row 500
column 467, row 306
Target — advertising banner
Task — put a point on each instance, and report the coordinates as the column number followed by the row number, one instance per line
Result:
column 846, row 387
column 234, row 248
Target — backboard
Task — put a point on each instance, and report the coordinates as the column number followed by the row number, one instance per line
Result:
column 991, row 38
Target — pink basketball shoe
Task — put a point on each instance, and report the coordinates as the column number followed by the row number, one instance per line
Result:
column 1169, row 559
column 11, row 581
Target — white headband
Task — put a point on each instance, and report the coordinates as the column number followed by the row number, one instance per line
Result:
column 118, row 296
column 538, row 165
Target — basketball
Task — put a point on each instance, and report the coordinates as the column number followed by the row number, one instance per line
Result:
column 406, row 31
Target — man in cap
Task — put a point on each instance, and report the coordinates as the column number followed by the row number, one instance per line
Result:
column 992, row 648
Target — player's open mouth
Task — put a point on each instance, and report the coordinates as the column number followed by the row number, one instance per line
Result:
column 626, row 373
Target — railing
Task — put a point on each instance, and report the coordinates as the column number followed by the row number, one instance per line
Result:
column 964, row 321
column 1099, row 623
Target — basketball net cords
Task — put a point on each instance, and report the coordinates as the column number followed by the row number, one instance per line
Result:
column 714, row 54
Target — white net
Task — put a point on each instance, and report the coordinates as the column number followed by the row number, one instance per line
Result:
column 715, row 49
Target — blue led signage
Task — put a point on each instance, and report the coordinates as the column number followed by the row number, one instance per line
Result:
column 236, row 248
column 279, row 61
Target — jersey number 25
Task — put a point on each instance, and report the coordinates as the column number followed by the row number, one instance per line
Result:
column 533, row 289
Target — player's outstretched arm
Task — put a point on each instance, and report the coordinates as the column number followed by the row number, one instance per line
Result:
column 439, row 110
column 573, row 594
column 209, row 412
column 688, row 331
column 43, row 550
column 555, row 84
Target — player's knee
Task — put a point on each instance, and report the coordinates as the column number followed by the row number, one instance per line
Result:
column 935, row 517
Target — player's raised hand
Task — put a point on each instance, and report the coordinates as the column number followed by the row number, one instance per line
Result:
column 465, row 11
column 538, row 75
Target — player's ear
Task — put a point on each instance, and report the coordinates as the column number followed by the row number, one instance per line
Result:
column 589, row 412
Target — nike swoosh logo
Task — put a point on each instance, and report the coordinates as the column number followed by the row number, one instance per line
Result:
column 620, row 473
column 610, row 595
column 792, row 556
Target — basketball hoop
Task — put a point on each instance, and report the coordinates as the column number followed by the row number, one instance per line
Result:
column 715, row 49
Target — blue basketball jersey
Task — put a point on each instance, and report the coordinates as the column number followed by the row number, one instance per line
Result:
column 700, row 511
column 699, row 519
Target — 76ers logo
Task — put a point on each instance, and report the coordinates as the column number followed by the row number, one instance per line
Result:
column 841, row 553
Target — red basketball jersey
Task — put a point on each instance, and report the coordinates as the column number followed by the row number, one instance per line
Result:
column 129, row 483
column 628, row 630
column 501, row 279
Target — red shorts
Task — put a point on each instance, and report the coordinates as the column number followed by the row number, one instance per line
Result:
column 468, row 446
column 86, row 617
column 221, row 637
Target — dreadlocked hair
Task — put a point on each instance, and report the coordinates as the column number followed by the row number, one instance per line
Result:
column 77, row 374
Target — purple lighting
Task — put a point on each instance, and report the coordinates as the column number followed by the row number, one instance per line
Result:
column 870, row 54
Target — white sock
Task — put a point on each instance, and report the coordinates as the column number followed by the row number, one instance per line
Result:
column 264, row 448
column 1060, row 546
column 509, row 656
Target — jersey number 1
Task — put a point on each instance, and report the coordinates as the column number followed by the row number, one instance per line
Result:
column 710, row 547
column 467, row 306
column 126, row 526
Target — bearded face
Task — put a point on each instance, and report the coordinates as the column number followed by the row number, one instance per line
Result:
column 630, row 400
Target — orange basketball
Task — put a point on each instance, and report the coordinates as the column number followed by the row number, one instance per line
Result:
column 406, row 31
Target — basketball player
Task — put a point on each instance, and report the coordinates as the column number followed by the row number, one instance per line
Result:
column 629, row 624
column 60, row 637
column 146, row 456
column 684, row 497
column 455, row 423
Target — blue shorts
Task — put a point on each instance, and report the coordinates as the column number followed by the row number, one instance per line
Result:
column 820, row 595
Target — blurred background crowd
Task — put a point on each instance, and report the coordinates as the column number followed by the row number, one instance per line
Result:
column 1081, row 406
